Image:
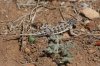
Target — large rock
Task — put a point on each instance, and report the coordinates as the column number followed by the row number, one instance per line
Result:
column 90, row 13
column 91, row 26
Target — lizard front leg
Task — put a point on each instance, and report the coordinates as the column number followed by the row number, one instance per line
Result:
column 72, row 32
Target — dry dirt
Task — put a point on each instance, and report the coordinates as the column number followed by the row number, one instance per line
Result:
column 10, row 55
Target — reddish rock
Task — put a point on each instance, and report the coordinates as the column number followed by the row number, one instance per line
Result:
column 97, row 43
column 90, row 26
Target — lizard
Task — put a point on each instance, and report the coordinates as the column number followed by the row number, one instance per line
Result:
column 55, row 30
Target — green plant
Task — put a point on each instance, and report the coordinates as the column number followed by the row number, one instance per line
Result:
column 60, row 52
column 31, row 39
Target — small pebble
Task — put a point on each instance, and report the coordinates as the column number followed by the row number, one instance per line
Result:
column 24, row 43
column 99, row 26
column 65, row 36
column 6, row 16
column 27, row 50
column 86, row 22
column 82, row 29
column 90, row 13
column 62, row 3
column 91, row 51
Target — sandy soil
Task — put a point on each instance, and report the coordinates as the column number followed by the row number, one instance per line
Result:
column 85, row 54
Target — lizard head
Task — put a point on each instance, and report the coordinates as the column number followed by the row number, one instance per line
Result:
column 71, row 22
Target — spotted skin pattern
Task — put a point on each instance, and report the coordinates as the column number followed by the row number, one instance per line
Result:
column 55, row 30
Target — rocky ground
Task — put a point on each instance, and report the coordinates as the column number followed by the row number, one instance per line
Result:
column 86, row 48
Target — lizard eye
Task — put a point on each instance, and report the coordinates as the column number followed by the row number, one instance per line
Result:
column 44, row 26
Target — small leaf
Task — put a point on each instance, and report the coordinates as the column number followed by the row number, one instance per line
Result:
column 31, row 39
